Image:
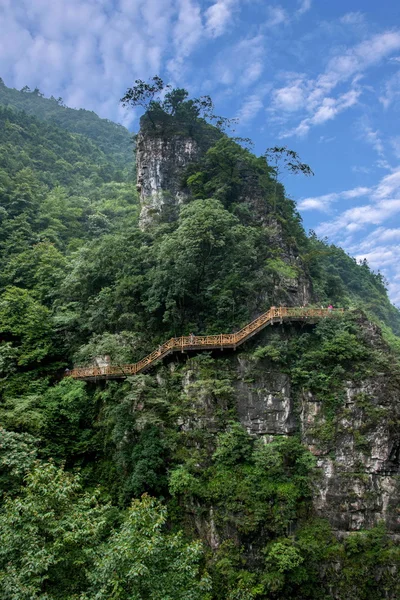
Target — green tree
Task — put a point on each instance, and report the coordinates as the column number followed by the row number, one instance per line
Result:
column 27, row 324
column 18, row 452
column 282, row 158
column 47, row 537
column 207, row 254
column 174, row 109
column 141, row 560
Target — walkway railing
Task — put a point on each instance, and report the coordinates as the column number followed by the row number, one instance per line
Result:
column 204, row 342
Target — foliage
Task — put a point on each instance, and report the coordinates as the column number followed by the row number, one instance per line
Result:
column 338, row 278
column 79, row 280
column 47, row 536
column 26, row 324
column 206, row 255
column 256, row 487
column 112, row 139
column 141, row 561
column 56, row 543
column 17, row 456
column 174, row 113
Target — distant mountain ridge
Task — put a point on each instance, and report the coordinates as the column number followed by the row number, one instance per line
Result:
column 112, row 138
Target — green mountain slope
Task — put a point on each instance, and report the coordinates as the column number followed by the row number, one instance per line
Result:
column 114, row 140
column 163, row 485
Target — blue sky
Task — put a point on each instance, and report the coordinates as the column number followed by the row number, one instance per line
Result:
column 320, row 76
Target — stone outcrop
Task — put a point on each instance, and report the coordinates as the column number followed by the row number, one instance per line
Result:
column 160, row 163
column 359, row 462
column 357, row 482
column 265, row 405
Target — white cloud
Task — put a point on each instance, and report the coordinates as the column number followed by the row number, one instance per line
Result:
column 353, row 18
column 187, row 33
column 89, row 51
column 362, row 56
column 380, row 236
column 276, row 16
column 382, row 163
column 380, row 252
column 388, row 185
column 314, row 96
column 323, row 203
column 381, row 245
column 218, row 16
column 384, row 204
column 328, row 109
column 355, row 219
column 241, row 64
column 290, row 98
column 371, row 136
column 304, row 7
column 391, row 91
column 250, row 108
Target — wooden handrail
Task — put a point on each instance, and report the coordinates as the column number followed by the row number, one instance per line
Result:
column 204, row 342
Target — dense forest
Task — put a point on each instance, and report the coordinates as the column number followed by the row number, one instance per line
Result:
column 151, row 487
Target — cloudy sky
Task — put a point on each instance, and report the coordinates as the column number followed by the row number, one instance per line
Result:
column 320, row 76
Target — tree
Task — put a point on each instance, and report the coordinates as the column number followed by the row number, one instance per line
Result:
column 143, row 94
column 175, row 104
column 17, row 455
column 41, row 268
column 209, row 254
column 47, row 536
column 282, row 158
column 141, row 560
column 27, row 323
column 230, row 174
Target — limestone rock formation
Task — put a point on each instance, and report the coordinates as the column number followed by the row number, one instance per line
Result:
column 160, row 162
column 357, row 483
column 359, row 471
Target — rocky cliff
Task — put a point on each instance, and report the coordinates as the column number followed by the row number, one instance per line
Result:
column 356, row 446
column 160, row 163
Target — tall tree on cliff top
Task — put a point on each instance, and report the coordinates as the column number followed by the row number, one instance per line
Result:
column 159, row 99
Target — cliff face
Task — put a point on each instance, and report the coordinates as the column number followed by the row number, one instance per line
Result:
column 357, row 449
column 359, row 470
column 160, row 162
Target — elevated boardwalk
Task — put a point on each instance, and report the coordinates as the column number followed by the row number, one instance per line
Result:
column 203, row 342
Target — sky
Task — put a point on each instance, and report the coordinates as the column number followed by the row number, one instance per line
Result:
column 319, row 76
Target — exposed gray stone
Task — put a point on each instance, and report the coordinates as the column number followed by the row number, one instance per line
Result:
column 264, row 405
column 359, row 468
column 160, row 162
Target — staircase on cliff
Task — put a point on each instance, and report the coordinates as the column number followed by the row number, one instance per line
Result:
column 221, row 341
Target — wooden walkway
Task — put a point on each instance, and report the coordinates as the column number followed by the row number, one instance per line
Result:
column 203, row 342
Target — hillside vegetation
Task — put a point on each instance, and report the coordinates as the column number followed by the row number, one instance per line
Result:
column 112, row 139
column 115, row 490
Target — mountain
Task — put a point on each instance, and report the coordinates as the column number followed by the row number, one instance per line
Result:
column 266, row 472
column 112, row 139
